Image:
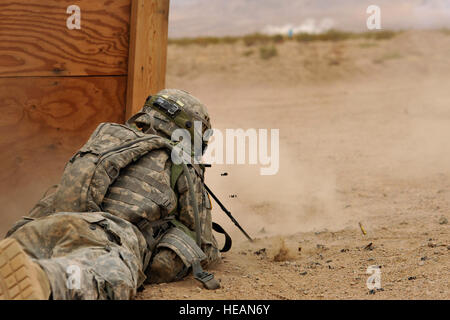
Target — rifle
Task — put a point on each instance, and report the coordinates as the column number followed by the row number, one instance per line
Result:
column 228, row 213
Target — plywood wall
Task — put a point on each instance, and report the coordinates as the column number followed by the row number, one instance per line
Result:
column 57, row 84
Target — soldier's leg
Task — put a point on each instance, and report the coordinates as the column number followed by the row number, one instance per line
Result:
column 86, row 255
column 166, row 266
column 174, row 257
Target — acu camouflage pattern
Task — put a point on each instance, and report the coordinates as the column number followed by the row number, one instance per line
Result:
column 185, row 247
column 118, row 178
column 186, row 214
column 142, row 190
column 191, row 103
column 89, row 174
column 109, row 251
column 159, row 123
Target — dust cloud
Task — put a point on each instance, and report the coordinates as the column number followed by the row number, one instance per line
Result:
column 300, row 197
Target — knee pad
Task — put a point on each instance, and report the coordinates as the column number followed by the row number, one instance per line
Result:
column 166, row 266
column 175, row 254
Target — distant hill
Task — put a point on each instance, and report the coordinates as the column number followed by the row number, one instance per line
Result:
column 192, row 18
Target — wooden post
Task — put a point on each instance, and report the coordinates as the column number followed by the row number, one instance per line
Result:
column 148, row 51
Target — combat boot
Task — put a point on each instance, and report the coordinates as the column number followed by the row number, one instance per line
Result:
column 20, row 277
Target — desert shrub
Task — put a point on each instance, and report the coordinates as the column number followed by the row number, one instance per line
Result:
column 336, row 35
column 445, row 31
column 262, row 39
column 379, row 35
column 248, row 53
column 255, row 38
column 203, row 41
column 229, row 40
column 278, row 38
column 305, row 37
column 268, row 52
column 331, row 35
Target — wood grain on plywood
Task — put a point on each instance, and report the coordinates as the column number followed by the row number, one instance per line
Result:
column 35, row 40
column 46, row 120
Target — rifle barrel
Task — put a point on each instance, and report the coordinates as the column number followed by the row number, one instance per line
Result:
column 228, row 213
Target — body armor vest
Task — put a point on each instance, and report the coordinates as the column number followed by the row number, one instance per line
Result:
column 142, row 190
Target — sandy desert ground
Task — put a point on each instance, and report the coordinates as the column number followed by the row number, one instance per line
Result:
column 364, row 138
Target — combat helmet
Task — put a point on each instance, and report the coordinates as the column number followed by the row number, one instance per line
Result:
column 172, row 109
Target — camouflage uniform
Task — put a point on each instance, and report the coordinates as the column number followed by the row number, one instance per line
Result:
column 93, row 219
column 108, row 251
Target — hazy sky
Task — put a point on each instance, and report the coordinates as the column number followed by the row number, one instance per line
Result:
column 231, row 17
